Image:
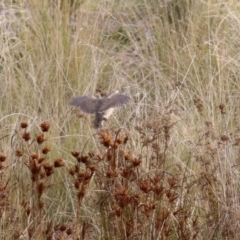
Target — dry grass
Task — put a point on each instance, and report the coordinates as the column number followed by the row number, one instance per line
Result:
column 165, row 167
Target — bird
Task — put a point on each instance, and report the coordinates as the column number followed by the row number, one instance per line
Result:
column 102, row 108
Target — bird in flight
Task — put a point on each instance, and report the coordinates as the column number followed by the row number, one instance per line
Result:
column 102, row 108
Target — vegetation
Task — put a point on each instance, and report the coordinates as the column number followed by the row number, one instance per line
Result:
column 164, row 167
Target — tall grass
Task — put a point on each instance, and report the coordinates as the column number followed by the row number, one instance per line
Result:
column 164, row 167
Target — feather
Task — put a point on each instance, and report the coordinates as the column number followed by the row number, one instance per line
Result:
column 117, row 100
column 86, row 103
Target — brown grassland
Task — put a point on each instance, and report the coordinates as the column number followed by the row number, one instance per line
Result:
column 166, row 166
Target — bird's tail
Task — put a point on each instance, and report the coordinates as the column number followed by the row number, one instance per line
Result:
column 98, row 121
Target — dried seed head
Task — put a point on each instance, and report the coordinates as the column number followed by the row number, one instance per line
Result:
column 120, row 140
column 93, row 168
column 69, row 231
column 83, row 159
column 122, row 197
column 45, row 126
column 158, row 189
column 84, row 176
column 26, row 136
column 34, row 156
column 198, row 102
column 224, row 138
column 136, row 162
column 34, row 167
column 105, row 139
column 47, row 166
column 2, row 157
column 24, row 124
column 75, row 154
column 111, row 174
column 171, row 195
column 115, row 145
column 126, row 173
column 63, row 228
column 58, row 163
column 72, row 170
column 222, row 108
column 41, row 159
column 49, row 172
column 173, row 182
column 19, row 153
column 45, row 150
column 209, row 124
column 40, row 139
column 76, row 184
column 135, row 200
column 40, row 205
column 148, row 208
column 128, row 157
column 145, row 186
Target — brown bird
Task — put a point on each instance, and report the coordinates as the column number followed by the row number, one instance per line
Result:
column 101, row 107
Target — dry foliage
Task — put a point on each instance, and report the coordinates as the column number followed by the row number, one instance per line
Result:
column 164, row 167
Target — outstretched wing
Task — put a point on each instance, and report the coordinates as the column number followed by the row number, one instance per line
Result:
column 86, row 103
column 117, row 100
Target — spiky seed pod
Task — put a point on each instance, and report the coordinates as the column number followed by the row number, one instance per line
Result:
column 40, row 139
column 45, row 126
column 45, row 150
column 41, row 159
column 58, row 163
column 222, row 108
column 2, row 157
column 136, row 162
column 93, row 168
column 72, row 170
column 76, row 184
column 75, row 154
column 24, row 125
column 19, row 153
column 34, row 156
column 49, row 172
column 63, row 228
column 83, row 159
column 47, row 166
column 69, row 231
column 26, row 136
column 224, row 138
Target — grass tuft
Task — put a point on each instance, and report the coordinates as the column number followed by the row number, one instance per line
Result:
column 166, row 166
